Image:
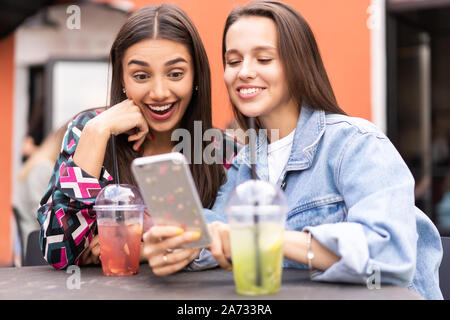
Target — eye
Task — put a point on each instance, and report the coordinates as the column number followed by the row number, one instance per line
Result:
column 176, row 74
column 265, row 60
column 140, row 76
column 233, row 62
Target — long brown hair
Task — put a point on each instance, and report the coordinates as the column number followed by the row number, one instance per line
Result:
column 305, row 73
column 171, row 23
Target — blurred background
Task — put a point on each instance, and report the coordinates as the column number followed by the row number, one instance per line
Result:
column 387, row 61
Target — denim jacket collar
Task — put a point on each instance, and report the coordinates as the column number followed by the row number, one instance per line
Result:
column 308, row 132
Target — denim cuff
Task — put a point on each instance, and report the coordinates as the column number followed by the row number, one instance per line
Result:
column 204, row 261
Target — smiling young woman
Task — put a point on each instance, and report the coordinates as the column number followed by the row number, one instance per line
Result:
column 160, row 83
column 255, row 77
column 159, row 76
column 350, row 195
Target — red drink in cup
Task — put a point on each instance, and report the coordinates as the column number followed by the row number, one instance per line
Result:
column 120, row 212
column 120, row 248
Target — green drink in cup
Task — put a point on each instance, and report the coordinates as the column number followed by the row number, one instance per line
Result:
column 257, row 244
column 244, row 259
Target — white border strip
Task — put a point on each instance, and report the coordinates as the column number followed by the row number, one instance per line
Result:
column 377, row 25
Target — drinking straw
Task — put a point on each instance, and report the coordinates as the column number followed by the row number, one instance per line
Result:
column 251, row 122
column 116, row 167
column 254, row 176
column 119, row 213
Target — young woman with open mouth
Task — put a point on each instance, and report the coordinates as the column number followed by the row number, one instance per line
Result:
column 160, row 82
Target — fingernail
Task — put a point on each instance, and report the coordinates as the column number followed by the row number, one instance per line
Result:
column 179, row 231
column 229, row 268
column 196, row 235
column 138, row 149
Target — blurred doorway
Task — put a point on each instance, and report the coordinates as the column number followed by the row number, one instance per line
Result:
column 418, row 98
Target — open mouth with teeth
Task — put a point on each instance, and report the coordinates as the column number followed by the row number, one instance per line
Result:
column 249, row 92
column 161, row 111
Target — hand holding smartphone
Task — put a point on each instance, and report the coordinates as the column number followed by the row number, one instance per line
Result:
column 169, row 191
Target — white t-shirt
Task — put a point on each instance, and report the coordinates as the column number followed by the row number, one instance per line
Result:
column 278, row 155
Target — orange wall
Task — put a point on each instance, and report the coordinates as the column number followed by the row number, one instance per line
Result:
column 6, row 123
column 341, row 33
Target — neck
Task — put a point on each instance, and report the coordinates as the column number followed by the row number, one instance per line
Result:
column 284, row 121
column 159, row 143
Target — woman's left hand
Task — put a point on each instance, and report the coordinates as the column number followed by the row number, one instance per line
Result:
column 91, row 255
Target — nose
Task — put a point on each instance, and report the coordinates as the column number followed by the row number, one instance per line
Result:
column 159, row 91
column 247, row 70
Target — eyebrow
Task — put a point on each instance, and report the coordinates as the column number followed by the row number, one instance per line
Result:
column 167, row 64
column 174, row 61
column 259, row 48
column 138, row 62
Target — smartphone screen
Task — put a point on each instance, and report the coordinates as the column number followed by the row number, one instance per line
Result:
column 169, row 192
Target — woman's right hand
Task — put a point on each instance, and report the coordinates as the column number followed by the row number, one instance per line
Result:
column 161, row 248
column 220, row 244
column 124, row 117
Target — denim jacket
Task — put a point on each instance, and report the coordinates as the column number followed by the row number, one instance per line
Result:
column 346, row 183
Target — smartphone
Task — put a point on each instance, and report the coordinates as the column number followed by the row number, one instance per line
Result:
column 169, row 191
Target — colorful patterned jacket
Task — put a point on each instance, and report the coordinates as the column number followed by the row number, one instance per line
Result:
column 66, row 216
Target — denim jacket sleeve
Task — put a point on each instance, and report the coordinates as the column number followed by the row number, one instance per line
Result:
column 379, row 234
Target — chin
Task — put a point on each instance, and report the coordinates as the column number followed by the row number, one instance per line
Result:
column 250, row 109
column 162, row 128
column 251, row 112
column 165, row 125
